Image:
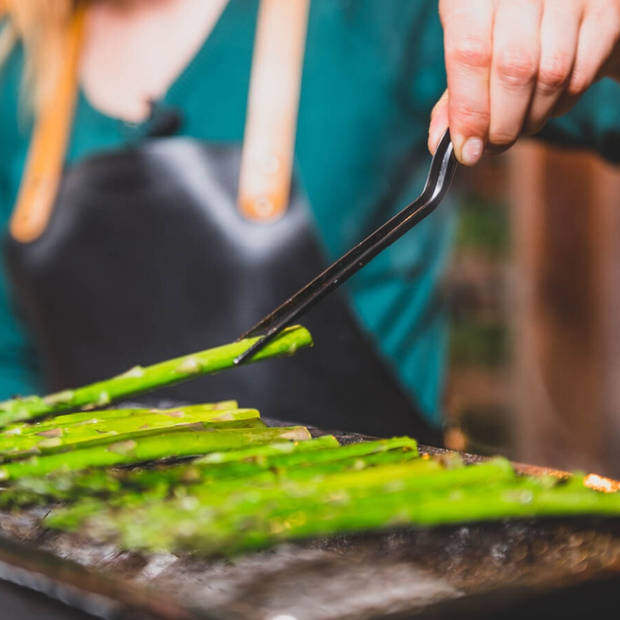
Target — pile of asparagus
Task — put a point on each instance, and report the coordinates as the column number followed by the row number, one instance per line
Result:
column 214, row 479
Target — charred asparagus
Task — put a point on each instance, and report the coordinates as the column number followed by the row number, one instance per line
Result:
column 139, row 379
column 173, row 444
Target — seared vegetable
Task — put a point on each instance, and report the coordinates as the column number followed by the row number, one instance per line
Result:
column 138, row 380
column 233, row 516
column 254, row 465
column 163, row 445
column 248, row 486
column 94, row 432
column 94, row 417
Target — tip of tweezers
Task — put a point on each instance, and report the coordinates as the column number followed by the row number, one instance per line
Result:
column 242, row 357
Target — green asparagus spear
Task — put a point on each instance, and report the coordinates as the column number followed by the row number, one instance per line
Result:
column 218, row 521
column 448, row 506
column 298, row 462
column 309, row 461
column 61, row 439
column 94, row 417
column 69, row 486
column 73, row 485
column 173, row 444
column 488, row 491
column 233, row 499
column 141, row 379
column 419, row 475
column 219, row 492
column 287, row 454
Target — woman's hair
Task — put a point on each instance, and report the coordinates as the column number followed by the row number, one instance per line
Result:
column 40, row 25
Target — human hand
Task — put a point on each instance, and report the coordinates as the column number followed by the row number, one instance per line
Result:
column 513, row 64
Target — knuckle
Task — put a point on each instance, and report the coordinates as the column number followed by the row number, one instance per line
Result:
column 554, row 72
column 474, row 119
column 516, row 67
column 471, row 52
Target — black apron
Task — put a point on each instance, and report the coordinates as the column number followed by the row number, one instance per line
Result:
column 147, row 257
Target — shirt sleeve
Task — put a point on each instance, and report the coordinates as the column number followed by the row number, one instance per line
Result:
column 594, row 123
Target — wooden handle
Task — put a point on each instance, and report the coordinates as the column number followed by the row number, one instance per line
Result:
column 44, row 163
column 269, row 140
column 271, row 120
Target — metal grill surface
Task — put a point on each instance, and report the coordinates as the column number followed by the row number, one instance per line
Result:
column 477, row 571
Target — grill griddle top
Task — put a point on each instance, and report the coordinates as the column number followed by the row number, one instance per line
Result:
column 478, row 570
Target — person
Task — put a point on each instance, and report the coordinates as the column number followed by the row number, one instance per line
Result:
column 145, row 254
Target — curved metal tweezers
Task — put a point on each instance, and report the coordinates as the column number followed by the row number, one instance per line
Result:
column 438, row 181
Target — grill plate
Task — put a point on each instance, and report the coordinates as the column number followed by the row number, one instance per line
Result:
column 479, row 570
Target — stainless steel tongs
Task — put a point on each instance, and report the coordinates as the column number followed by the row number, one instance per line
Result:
column 438, row 181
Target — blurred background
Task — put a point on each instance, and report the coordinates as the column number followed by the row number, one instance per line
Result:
column 534, row 295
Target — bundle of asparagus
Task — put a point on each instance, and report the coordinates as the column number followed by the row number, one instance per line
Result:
column 240, row 485
column 228, row 516
column 70, row 486
column 65, row 437
column 125, row 450
column 90, row 438
column 258, row 486
column 250, row 465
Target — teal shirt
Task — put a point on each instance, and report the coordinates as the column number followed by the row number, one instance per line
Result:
column 373, row 70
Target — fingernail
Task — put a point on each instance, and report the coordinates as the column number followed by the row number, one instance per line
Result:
column 472, row 151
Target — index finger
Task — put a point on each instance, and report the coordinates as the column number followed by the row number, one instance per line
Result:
column 468, row 30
